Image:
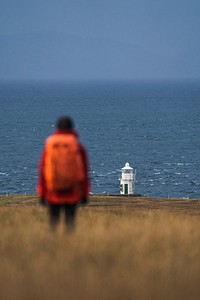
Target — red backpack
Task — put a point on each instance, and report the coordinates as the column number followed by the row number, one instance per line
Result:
column 63, row 167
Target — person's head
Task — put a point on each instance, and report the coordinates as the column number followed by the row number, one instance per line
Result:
column 64, row 123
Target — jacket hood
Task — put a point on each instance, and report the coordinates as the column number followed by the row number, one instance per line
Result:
column 66, row 131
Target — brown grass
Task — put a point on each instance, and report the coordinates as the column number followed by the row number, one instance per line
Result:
column 116, row 252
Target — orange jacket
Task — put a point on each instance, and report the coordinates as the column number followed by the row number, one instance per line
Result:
column 62, row 198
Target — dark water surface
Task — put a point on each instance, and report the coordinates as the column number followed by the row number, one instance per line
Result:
column 155, row 126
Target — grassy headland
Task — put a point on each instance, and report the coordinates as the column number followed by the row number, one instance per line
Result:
column 122, row 248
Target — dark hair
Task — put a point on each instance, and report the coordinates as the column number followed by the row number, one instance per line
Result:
column 65, row 123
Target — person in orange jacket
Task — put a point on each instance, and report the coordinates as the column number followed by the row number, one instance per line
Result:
column 66, row 199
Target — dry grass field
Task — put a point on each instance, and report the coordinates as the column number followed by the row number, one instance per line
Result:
column 122, row 248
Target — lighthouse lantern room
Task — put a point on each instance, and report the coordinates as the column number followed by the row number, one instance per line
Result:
column 127, row 180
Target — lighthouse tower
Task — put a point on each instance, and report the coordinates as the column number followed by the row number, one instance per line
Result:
column 127, row 180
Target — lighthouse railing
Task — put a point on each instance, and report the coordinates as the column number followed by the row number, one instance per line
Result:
column 128, row 176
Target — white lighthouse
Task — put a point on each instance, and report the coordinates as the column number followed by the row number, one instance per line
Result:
column 127, row 180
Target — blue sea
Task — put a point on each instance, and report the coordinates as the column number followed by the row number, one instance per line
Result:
column 153, row 125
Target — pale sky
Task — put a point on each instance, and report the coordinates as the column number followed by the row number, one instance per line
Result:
column 107, row 39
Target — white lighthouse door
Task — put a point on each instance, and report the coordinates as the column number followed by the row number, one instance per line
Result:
column 126, row 189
